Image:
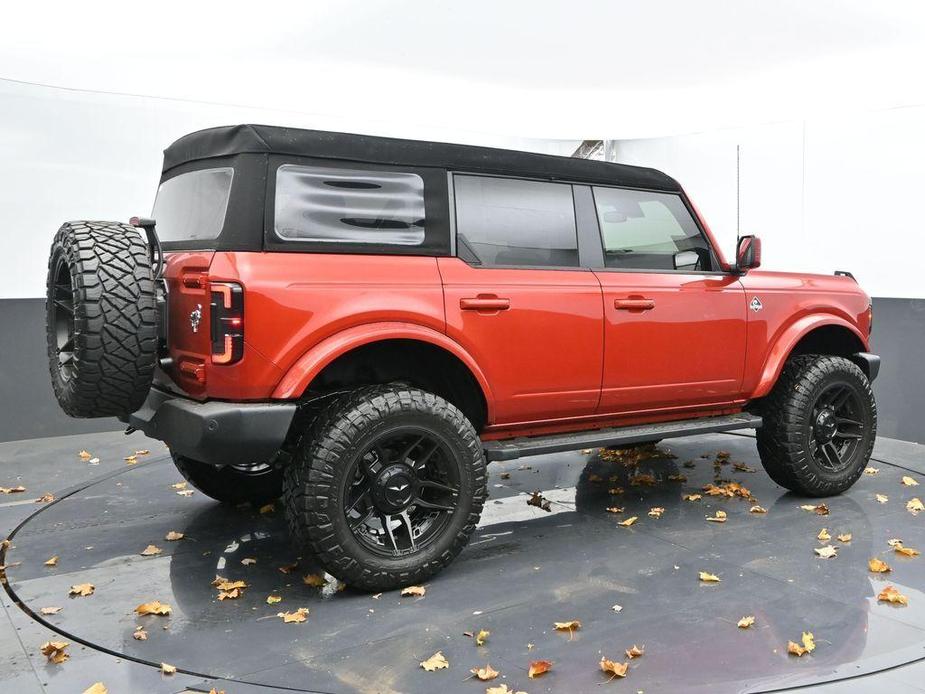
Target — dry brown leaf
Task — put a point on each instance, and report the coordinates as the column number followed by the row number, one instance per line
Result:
column 96, row 688
column 629, row 521
column 570, row 627
column 708, row 577
column 232, row 594
column 151, row 551
column 692, row 497
column 50, row 610
column 46, row 498
column 179, row 485
column 677, row 478
column 85, row 455
column 871, row 470
column 915, row 505
column 540, row 501
column 720, row 517
column 742, row 467
column 827, row 552
column 173, row 536
column 273, row 599
column 154, row 607
column 314, row 580
column 435, row 662
column 225, row 584
column 414, row 590
column 143, row 451
column 891, row 595
column 595, row 478
column 615, row 491
column 906, row 551
column 482, row 637
column 267, row 508
column 844, row 537
column 55, row 651
column 614, row 509
column 289, row 568
column 505, row 475
column 140, row 634
column 878, row 566
column 728, row 490
column 130, row 460
column 757, row 509
column 53, row 561
column 486, row 674
column 909, row 482
column 168, row 669
column 643, row 480
column 823, row 535
column 808, row 645
column 881, row 498
column 656, row 512
column 746, row 622
column 614, row 668
column 12, row 490
column 82, row 589
column 297, row 617
column 635, row 652
column 539, row 667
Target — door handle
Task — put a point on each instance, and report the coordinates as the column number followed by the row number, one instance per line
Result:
column 485, row 303
column 633, row 304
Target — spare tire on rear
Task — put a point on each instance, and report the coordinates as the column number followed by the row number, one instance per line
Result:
column 101, row 319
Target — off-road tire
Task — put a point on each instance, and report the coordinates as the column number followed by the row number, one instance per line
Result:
column 232, row 484
column 114, row 331
column 784, row 438
column 315, row 482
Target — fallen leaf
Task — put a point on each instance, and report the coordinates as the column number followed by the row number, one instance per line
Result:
column 720, row 517
column 142, row 452
column 538, row 500
column 185, row 492
column 677, row 478
column 54, row 651
column 615, row 491
column 539, row 667
column 891, row 595
column 248, row 561
column 878, row 566
column 53, row 561
column 827, row 552
column 130, row 460
column 746, row 622
column 808, row 645
column 50, row 610
column 656, row 512
column 179, row 485
column 906, row 551
column 757, row 509
column 643, row 480
column 96, row 688
column 12, row 490
column 150, row 551
column 823, row 535
column 895, row 542
column 629, row 521
column 635, row 652
column 435, row 662
column 289, row 568
column 414, row 590
column 82, row 589
column 708, row 577
column 300, row 615
column 871, row 470
column 314, row 580
column 505, row 475
column 486, row 673
column 844, row 537
column 267, row 508
column 140, row 634
column 85, row 455
column 173, row 535
column 595, row 478
column 692, row 497
column 481, row 637
column 273, row 599
column 915, row 505
column 232, row 594
column 909, row 482
column 614, row 668
column 154, row 607
column 742, row 467
column 46, row 498
column 881, row 498
column 168, row 669
column 570, row 627
column 225, row 584
column 614, row 509
column 819, row 510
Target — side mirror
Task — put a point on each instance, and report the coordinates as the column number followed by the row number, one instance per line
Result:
column 748, row 253
column 686, row 260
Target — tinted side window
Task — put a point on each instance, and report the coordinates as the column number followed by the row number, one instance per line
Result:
column 321, row 204
column 649, row 231
column 505, row 221
column 192, row 206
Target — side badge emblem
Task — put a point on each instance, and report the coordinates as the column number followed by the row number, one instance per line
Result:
column 195, row 317
column 755, row 304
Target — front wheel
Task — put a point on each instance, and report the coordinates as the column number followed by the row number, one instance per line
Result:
column 387, row 487
column 820, row 422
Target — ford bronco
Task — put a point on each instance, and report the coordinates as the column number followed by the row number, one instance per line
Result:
column 358, row 324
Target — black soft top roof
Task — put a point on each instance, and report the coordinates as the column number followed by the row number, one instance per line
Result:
column 267, row 139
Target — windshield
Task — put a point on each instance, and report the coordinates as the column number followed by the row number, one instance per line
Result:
column 191, row 206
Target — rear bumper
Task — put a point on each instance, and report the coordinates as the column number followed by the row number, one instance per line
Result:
column 869, row 363
column 219, row 433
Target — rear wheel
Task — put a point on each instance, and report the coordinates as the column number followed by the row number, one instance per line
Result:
column 387, row 487
column 257, row 483
column 820, row 422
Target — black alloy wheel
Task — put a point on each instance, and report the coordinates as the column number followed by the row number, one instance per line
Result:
column 837, row 427
column 62, row 317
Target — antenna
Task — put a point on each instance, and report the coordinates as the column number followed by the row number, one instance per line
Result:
column 738, row 229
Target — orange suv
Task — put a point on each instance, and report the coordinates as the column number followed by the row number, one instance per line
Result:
column 359, row 324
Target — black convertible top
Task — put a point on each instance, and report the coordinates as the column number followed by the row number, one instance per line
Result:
column 267, row 139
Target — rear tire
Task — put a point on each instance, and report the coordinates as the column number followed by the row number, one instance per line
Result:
column 232, row 484
column 820, row 422
column 101, row 322
column 387, row 487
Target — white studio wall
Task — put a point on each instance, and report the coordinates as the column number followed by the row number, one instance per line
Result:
column 836, row 192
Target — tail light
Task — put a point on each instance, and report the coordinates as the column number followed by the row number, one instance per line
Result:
column 227, row 322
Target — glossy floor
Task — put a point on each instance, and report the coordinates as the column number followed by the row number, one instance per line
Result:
column 524, row 570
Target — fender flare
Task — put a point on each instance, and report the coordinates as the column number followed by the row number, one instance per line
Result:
column 310, row 364
column 784, row 344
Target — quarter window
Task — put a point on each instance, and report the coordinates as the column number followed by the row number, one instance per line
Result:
column 649, row 231
column 506, row 221
column 326, row 204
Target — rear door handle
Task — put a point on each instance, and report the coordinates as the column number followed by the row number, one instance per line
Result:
column 633, row 304
column 484, row 303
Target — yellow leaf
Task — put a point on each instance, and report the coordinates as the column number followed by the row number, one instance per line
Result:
column 414, row 590
column 915, row 505
column 173, row 535
column 232, row 594
column 539, row 667
column 720, row 517
column 844, row 537
column 150, row 551
column 615, row 509
column 878, row 566
column 502, row 689
column 909, row 482
column 709, row 578
column 568, row 626
column 85, row 455
column 871, row 470
column 435, row 662
column 12, row 490
column 481, row 637
column 82, row 589
column 819, row 510
column 746, row 622
column 179, row 485
column 225, row 584
column 267, row 508
column 808, row 645
column 314, row 580
column 142, row 452
column 629, row 521
column 635, row 651
column 891, row 595
column 97, row 688
column 300, row 615
column 46, row 498
column 273, row 599
column 168, row 669
column 692, row 497
column 881, row 498
column 656, row 512
column 827, row 552
column 130, row 460
column 50, row 610
column 486, row 673
column 54, row 651
column 906, row 551
column 153, row 607
column 614, row 668
column 757, row 509
column 53, row 561
column 823, row 535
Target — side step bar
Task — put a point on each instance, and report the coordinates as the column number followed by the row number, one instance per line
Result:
column 511, row 449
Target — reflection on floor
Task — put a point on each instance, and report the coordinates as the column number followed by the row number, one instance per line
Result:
column 525, row 569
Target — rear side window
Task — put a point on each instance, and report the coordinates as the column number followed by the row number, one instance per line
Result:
column 649, row 231
column 321, row 204
column 506, row 221
column 192, row 206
